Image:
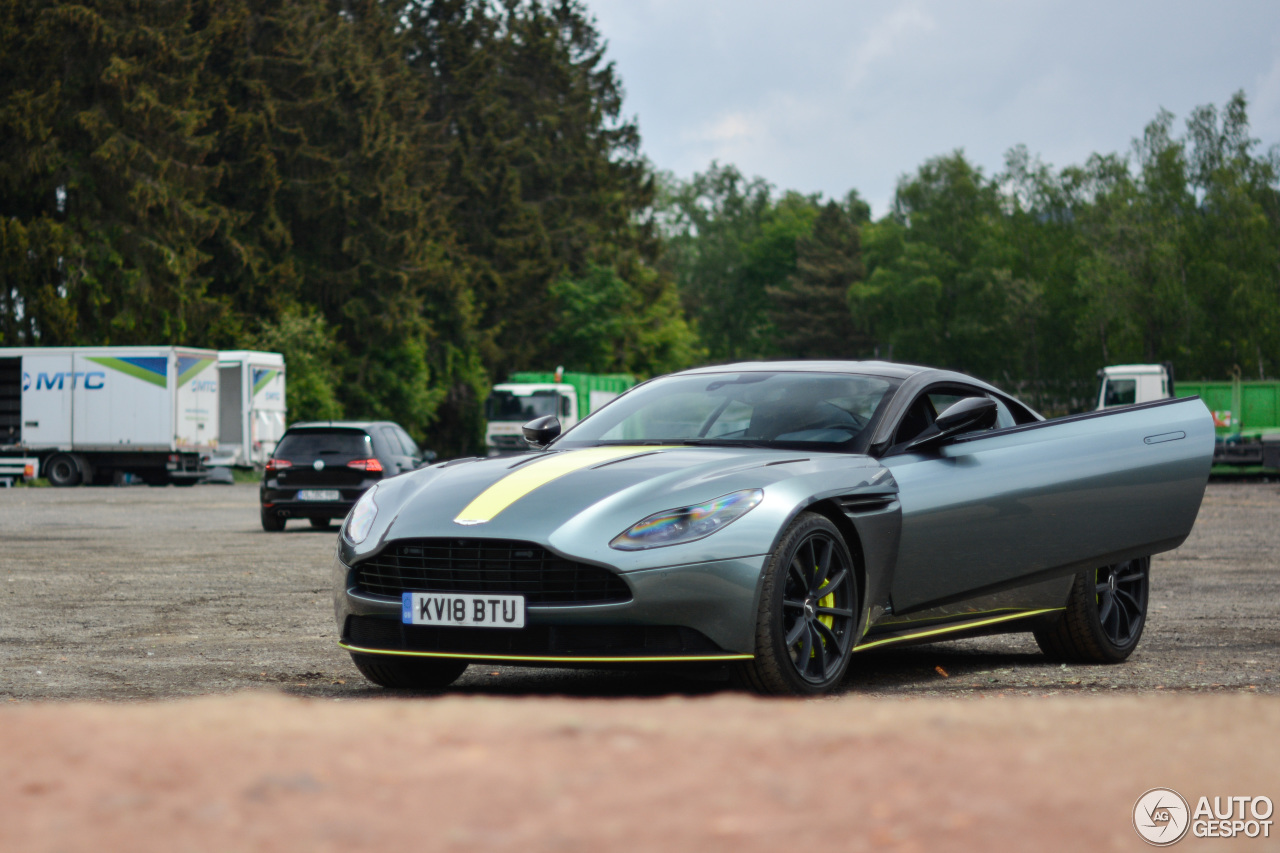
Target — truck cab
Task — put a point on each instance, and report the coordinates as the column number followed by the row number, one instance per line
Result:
column 511, row 405
column 1127, row 384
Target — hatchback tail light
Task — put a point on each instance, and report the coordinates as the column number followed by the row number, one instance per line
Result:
column 365, row 464
column 274, row 465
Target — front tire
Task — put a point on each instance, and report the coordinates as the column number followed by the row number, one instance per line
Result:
column 808, row 612
column 398, row 673
column 1104, row 617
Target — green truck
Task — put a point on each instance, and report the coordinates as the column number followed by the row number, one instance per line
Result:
column 529, row 395
column 1246, row 413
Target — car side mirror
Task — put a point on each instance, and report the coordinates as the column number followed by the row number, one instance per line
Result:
column 971, row 413
column 967, row 414
column 429, row 456
column 540, row 431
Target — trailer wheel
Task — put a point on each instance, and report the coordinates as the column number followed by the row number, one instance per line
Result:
column 271, row 522
column 62, row 470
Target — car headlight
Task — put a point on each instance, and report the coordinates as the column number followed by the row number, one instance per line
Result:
column 687, row 523
column 361, row 518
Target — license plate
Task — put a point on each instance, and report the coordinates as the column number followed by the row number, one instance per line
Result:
column 475, row 611
column 319, row 495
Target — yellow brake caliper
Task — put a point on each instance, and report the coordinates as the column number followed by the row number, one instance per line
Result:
column 828, row 600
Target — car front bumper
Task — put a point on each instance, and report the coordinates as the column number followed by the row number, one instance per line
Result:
column 696, row 612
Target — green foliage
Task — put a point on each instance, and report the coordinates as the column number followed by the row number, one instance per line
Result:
column 1033, row 278
column 728, row 241
column 311, row 360
column 385, row 191
column 809, row 312
column 603, row 324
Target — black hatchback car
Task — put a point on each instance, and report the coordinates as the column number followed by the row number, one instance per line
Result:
column 319, row 470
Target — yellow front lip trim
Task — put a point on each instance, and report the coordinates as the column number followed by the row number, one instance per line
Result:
column 544, row 658
column 532, row 475
column 949, row 629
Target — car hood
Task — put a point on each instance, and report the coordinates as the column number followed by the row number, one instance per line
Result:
column 576, row 501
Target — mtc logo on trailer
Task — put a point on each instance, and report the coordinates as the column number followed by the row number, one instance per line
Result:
column 93, row 380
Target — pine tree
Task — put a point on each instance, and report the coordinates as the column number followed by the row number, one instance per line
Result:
column 811, row 313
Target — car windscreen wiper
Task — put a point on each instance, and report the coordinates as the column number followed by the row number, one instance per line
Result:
column 719, row 442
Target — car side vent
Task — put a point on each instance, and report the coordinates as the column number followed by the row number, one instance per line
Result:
column 855, row 504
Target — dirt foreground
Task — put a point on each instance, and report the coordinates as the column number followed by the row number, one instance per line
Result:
column 264, row 772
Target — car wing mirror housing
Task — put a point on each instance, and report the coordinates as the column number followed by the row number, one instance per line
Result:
column 539, row 432
column 967, row 415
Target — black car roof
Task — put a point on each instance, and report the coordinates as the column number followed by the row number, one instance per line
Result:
column 889, row 369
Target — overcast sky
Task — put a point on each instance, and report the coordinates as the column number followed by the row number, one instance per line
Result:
column 829, row 95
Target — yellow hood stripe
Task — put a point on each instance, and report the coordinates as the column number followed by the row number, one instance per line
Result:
column 530, row 476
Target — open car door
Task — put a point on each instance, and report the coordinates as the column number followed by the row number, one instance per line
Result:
column 995, row 508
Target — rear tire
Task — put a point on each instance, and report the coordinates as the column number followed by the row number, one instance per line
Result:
column 62, row 470
column 401, row 673
column 1104, row 617
column 271, row 522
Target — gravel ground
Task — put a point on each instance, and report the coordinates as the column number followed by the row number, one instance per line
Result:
column 144, row 593
column 118, row 595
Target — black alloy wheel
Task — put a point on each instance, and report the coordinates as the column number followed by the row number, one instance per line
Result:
column 808, row 612
column 1104, row 617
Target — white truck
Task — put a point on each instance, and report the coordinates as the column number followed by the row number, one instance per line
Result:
column 251, row 407
column 90, row 414
column 1127, row 384
column 528, row 395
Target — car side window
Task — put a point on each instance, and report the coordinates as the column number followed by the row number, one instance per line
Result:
column 917, row 419
column 1004, row 418
column 410, row 447
column 391, row 442
column 943, row 400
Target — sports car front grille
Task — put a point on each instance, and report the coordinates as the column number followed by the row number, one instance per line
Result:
column 500, row 566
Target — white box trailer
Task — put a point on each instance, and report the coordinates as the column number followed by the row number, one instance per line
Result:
column 90, row 413
column 251, row 407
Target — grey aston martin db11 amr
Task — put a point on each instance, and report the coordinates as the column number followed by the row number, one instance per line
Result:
column 778, row 518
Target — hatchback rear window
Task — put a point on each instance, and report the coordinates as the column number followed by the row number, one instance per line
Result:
column 329, row 445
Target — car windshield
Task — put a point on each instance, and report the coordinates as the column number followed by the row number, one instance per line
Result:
column 506, row 406
column 331, row 445
column 764, row 409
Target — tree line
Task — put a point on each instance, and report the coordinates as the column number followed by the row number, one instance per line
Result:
column 412, row 198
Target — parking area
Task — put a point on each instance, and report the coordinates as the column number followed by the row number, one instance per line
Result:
column 142, row 593
column 265, row 738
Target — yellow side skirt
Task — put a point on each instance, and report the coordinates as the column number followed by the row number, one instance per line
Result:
column 949, row 629
column 545, row 658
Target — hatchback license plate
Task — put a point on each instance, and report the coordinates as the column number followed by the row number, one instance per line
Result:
column 319, row 495
column 473, row 611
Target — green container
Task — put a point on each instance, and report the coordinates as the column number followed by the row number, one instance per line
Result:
column 582, row 383
column 1246, row 409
